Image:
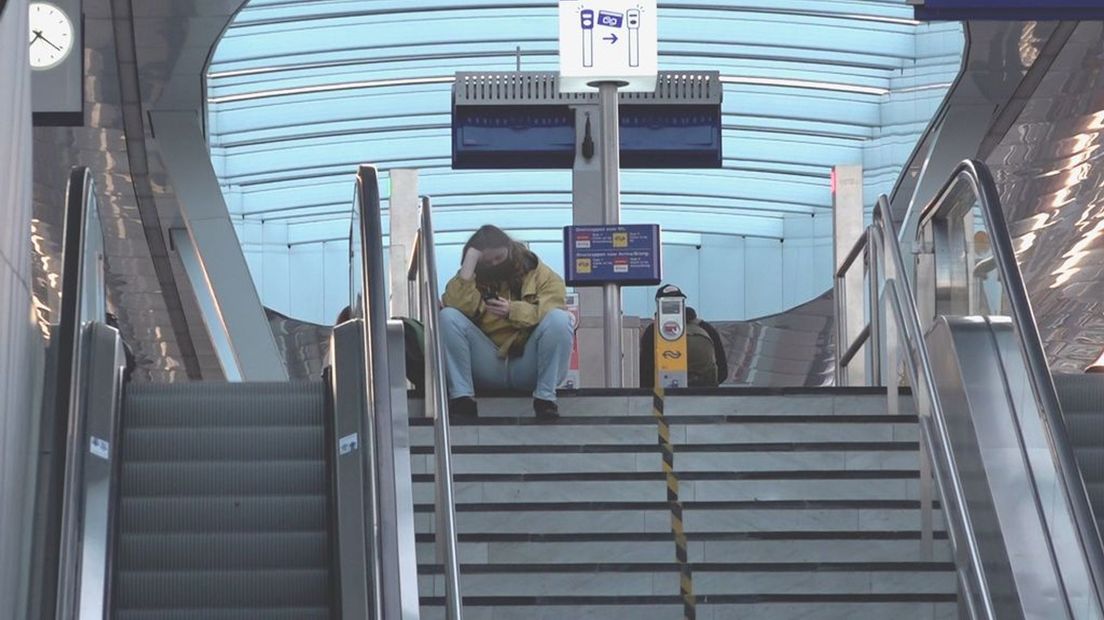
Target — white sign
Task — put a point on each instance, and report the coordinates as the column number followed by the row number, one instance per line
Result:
column 100, row 447
column 608, row 41
column 348, row 443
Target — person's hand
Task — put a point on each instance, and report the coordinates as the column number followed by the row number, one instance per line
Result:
column 498, row 307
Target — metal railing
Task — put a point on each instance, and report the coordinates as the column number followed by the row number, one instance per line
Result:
column 935, row 235
column 423, row 271
column 84, row 383
column 885, row 268
column 950, row 282
column 373, row 493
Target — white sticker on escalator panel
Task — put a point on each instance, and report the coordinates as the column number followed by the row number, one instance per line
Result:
column 348, row 443
column 101, row 448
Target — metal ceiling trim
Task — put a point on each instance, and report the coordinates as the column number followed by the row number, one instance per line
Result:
column 543, row 88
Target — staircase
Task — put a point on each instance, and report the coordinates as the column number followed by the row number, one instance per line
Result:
column 796, row 504
column 223, row 508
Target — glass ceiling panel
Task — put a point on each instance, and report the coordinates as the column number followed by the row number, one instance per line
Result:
column 301, row 91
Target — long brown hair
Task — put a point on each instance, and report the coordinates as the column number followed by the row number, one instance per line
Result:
column 521, row 260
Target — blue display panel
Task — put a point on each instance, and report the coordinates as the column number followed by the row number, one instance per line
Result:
column 537, row 136
column 1017, row 10
column 627, row 255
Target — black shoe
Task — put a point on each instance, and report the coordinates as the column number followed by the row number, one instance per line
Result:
column 546, row 409
column 463, row 407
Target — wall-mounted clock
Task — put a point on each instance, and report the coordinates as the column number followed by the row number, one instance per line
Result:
column 51, row 37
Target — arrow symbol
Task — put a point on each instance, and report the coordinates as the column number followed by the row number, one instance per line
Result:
column 612, row 39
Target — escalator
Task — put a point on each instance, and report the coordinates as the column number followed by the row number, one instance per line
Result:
column 1082, row 398
column 1017, row 453
column 218, row 500
column 971, row 494
column 224, row 506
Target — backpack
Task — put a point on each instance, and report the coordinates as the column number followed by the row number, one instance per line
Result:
column 702, row 365
column 414, row 338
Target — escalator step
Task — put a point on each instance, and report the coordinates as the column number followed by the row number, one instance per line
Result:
column 241, row 613
column 226, row 443
column 223, row 478
column 222, row 589
column 195, row 405
column 224, row 551
column 187, row 514
column 1091, row 461
column 223, row 505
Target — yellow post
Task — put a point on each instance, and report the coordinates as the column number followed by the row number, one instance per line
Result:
column 671, row 357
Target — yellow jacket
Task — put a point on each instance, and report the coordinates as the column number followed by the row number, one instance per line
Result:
column 541, row 291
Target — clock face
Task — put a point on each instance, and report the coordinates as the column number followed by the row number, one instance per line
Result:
column 51, row 36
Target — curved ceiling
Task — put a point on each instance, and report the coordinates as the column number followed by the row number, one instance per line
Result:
column 300, row 92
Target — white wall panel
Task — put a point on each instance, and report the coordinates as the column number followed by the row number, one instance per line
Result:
column 20, row 349
column 763, row 277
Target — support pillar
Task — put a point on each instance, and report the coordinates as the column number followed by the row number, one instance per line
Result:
column 596, row 200
column 611, row 215
column 403, row 214
column 848, row 225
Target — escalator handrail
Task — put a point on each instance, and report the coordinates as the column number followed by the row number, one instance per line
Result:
column 378, row 384
column 882, row 243
column 57, row 585
column 423, row 270
column 980, row 180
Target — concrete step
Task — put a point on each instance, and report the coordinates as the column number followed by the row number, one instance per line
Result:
column 624, row 517
column 708, row 579
column 566, row 458
column 666, row 607
column 693, row 486
column 727, row 401
column 747, row 546
column 703, row 429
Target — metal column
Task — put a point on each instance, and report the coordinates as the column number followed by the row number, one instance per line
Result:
column 611, row 215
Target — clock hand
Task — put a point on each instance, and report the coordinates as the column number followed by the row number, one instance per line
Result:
column 48, row 43
column 37, row 36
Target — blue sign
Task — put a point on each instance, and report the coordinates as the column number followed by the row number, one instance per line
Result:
column 610, row 19
column 627, row 255
column 1017, row 10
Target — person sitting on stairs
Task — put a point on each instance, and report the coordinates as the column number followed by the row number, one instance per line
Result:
column 504, row 324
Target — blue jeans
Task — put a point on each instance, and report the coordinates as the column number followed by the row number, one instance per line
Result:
column 472, row 359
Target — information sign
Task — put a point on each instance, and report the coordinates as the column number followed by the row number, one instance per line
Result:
column 608, row 41
column 627, row 255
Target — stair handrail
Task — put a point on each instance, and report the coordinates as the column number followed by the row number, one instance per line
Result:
column 884, row 262
column 423, row 271
column 979, row 180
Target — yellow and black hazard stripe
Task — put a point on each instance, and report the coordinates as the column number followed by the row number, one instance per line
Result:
column 686, row 576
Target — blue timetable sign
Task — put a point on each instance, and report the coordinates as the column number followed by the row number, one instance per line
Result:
column 627, row 255
column 1017, row 10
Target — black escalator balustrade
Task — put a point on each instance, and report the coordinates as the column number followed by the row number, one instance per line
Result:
column 223, row 503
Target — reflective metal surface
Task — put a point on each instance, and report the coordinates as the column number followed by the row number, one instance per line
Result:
column 891, row 304
column 397, row 544
column 963, row 229
column 304, row 346
column 132, row 61
column 98, row 449
column 391, row 575
column 792, row 349
column 350, row 435
column 1049, row 170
